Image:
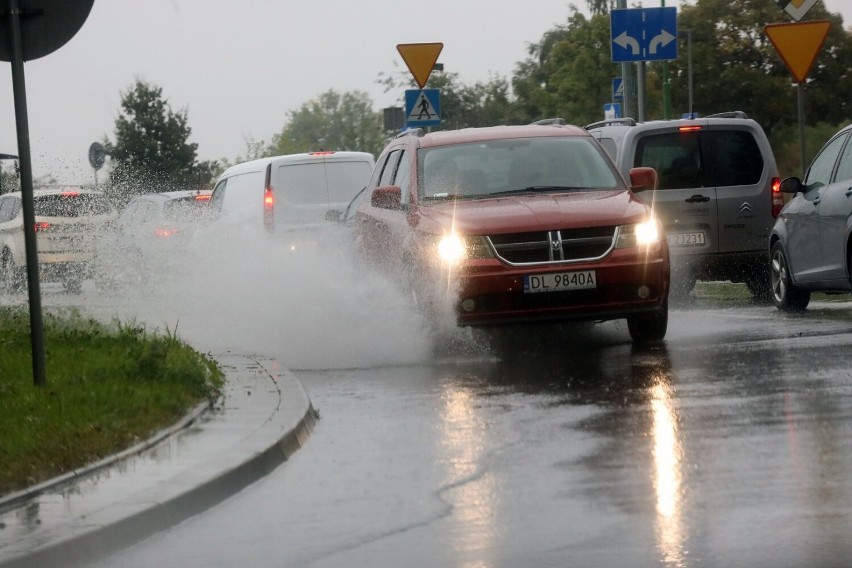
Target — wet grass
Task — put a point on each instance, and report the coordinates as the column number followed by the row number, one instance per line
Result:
column 108, row 387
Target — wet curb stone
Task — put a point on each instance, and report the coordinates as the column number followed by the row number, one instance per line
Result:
column 265, row 416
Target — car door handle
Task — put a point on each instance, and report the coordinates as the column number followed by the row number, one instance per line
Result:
column 698, row 199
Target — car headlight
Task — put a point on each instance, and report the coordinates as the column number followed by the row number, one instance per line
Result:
column 453, row 248
column 644, row 234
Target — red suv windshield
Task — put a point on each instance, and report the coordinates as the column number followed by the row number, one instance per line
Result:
column 493, row 167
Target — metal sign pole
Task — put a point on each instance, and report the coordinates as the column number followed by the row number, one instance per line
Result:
column 19, row 90
column 800, row 89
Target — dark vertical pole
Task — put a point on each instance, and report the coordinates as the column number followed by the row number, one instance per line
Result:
column 800, row 89
column 20, row 93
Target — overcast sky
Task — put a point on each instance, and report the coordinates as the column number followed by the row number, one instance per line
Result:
column 238, row 66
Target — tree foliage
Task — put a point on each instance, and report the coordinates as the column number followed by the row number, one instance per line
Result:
column 332, row 121
column 151, row 151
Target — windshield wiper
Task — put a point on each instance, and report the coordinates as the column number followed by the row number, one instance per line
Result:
column 540, row 188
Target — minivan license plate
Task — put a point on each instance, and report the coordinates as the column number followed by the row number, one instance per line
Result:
column 560, row 281
column 686, row 239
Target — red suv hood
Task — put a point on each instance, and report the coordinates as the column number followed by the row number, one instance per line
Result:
column 533, row 212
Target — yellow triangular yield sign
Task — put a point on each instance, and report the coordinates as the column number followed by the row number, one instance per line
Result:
column 798, row 44
column 420, row 58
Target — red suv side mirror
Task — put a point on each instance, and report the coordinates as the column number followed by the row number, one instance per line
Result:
column 643, row 178
column 387, row 197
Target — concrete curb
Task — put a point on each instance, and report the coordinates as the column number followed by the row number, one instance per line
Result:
column 275, row 419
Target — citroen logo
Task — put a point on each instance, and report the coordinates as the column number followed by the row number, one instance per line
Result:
column 746, row 210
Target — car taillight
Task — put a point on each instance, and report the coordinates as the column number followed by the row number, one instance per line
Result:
column 42, row 226
column 268, row 201
column 323, row 153
column 202, row 197
column 777, row 197
column 689, row 128
column 164, row 232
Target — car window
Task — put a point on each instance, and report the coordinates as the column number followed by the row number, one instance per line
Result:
column 403, row 176
column 70, row 205
column 217, row 198
column 243, row 192
column 485, row 168
column 8, row 209
column 609, row 145
column 821, row 168
column 390, row 168
column 693, row 159
column 184, row 209
column 844, row 167
column 734, row 158
column 322, row 182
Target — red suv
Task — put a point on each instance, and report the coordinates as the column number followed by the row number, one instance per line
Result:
column 517, row 224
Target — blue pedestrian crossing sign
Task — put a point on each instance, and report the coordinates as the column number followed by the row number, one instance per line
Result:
column 643, row 34
column 422, row 107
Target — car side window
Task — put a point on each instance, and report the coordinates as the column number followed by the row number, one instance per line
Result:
column 6, row 210
column 390, row 168
column 218, row 195
column 844, row 167
column 821, row 168
column 403, row 176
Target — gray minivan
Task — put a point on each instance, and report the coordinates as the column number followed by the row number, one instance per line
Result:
column 717, row 195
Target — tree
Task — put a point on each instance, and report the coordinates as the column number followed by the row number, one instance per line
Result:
column 569, row 72
column 151, row 152
column 332, row 121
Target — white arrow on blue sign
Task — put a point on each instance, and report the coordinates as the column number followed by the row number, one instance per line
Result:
column 643, row 34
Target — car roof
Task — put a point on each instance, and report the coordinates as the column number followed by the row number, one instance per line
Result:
column 304, row 157
column 483, row 134
column 39, row 191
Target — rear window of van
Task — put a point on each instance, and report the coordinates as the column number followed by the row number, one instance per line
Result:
column 701, row 158
column 322, row 182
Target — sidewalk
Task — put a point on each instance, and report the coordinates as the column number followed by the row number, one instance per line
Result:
column 262, row 419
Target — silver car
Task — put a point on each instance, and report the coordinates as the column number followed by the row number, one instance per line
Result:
column 67, row 222
column 810, row 244
column 717, row 193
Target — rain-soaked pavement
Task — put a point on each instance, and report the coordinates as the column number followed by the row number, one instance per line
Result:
column 730, row 445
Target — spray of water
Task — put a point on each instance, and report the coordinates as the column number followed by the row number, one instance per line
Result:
column 306, row 299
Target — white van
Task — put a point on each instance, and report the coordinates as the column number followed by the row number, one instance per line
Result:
column 291, row 191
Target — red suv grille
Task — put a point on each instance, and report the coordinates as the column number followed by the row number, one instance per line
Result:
column 545, row 247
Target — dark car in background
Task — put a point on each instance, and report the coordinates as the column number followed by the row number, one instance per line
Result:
column 516, row 225
column 68, row 221
column 811, row 243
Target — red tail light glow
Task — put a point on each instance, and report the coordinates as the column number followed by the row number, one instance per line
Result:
column 42, row 226
column 70, row 194
column 777, row 197
column 202, row 197
column 164, row 232
column 323, row 153
column 689, row 128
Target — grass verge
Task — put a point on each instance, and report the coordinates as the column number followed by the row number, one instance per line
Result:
column 109, row 386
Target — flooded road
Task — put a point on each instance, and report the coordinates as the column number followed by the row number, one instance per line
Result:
column 731, row 445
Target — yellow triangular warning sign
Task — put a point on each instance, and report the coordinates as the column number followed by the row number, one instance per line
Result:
column 798, row 44
column 420, row 58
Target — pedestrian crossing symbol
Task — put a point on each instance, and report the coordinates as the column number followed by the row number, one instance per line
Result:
column 422, row 107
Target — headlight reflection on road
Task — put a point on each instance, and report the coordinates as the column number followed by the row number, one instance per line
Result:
column 668, row 475
column 470, row 488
